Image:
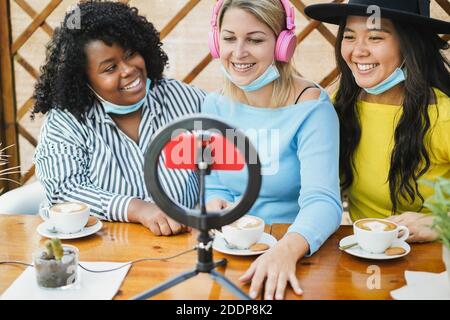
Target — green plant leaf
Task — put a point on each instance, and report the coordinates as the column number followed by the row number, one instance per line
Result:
column 438, row 193
column 446, row 188
column 428, row 183
column 439, row 205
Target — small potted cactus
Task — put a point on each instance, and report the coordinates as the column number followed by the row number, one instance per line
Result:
column 56, row 265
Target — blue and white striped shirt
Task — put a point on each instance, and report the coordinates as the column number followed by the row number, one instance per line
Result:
column 96, row 163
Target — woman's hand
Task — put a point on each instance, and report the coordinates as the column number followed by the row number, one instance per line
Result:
column 217, row 205
column 150, row 216
column 419, row 226
column 277, row 267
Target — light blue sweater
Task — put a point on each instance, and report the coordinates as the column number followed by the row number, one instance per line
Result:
column 298, row 146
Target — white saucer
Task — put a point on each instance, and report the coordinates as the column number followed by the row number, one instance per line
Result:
column 44, row 229
column 358, row 252
column 219, row 245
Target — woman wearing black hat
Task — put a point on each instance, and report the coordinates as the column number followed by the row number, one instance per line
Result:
column 394, row 107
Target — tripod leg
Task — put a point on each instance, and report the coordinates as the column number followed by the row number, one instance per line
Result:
column 230, row 286
column 220, row 263
column 166, row 285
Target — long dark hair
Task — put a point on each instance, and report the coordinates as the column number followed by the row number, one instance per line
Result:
column 426, row 68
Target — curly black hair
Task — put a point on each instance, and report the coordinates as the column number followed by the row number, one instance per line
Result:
column 63, row 80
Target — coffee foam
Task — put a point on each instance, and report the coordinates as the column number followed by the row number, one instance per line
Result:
column 69, row 207
column 247, row 222
column 376, row 226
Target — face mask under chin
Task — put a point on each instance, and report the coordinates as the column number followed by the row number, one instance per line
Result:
column 396, row 77
column 122, row 109
column 270, row 75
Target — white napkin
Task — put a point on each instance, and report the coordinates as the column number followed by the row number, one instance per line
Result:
column 424, row 286
column 92, row 286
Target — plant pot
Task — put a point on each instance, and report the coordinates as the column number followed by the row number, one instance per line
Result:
column 446, row 258
column 57, row 274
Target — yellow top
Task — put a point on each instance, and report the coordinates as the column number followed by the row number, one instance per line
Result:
column 369, row 193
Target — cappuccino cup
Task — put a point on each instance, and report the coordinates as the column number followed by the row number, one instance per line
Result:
column 376, row 235
column 244, row 232
column 67, row 217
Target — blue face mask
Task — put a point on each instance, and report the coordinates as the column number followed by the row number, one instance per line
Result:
column 394, row 79
column 270, row 75
column 121, row 110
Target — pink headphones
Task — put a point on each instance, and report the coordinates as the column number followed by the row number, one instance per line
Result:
column 286, row 41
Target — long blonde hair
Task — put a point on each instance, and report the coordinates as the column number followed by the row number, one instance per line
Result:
column 271, row 13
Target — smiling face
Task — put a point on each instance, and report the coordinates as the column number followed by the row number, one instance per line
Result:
column 117, row 75
column 371, row 54
column 246, row 49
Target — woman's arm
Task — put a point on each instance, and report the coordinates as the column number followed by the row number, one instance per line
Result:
column 419, row 226
column 319, row 200
column 149, row 215
column 277, row 268
column 320, row 207
column 62, row 167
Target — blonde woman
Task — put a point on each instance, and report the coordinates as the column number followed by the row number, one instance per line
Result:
column 294, row 127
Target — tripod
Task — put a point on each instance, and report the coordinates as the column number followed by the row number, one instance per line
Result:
column 199, row 139
column 205, row 263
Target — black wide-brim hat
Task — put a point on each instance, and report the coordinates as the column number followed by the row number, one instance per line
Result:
column 410, row 11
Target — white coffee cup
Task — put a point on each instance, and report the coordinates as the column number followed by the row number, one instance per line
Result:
column 371, row 237
column 244, row 232
column 67, row 217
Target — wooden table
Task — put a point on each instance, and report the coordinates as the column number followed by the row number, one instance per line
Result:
column 328, row 274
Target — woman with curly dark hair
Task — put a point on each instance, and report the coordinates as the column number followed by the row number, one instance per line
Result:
column 393, row 104
column 103, row 90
